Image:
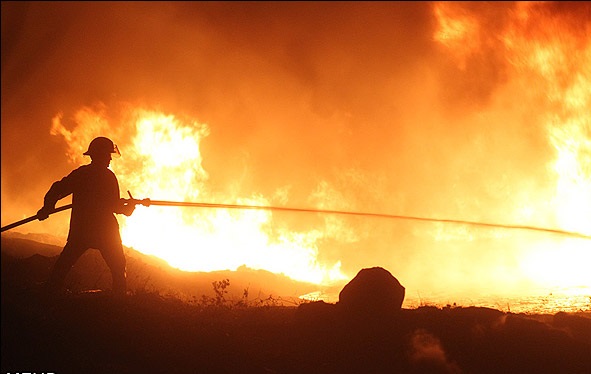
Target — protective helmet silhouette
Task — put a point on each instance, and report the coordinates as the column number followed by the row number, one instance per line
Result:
column 101, row 145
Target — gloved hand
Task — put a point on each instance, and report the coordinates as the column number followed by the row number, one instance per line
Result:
column 44, row 212
column 127, row 208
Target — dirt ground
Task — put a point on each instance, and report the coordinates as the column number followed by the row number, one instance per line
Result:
column 92, row 332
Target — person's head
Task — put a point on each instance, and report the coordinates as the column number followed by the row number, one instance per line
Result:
column 100, row 150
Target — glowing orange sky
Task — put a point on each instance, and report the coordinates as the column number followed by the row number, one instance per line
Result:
column 419, row 108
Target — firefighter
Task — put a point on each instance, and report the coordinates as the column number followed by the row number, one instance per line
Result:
column 95, row 201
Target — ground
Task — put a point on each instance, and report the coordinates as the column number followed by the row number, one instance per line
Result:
column 146, row 332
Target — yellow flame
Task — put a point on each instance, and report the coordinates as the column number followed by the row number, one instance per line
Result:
column 562, row 264
column 551, row 59
column 162, row 160
column 560, row 63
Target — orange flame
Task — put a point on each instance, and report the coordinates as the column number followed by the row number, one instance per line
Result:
column 458, row 31
column 549, row 57
column 561, row 63
column 163, row 161
column 545, row 63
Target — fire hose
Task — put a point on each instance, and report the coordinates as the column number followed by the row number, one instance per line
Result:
column 149, row 202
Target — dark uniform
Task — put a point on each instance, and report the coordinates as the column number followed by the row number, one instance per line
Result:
column 95, row 200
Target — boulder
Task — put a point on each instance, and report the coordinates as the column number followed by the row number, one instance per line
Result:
column 374, row 292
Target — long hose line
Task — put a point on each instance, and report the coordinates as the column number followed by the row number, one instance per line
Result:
column 365, row 214
column 149, row 202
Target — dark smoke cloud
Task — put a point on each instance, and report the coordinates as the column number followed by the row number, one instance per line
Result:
column 358, row 95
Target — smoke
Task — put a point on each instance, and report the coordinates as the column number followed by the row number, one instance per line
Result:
column 360, row 106
column 428, row 356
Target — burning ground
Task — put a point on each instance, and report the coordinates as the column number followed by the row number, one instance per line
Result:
column 153, row 331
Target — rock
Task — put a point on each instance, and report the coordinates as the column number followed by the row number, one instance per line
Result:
column 373, row 293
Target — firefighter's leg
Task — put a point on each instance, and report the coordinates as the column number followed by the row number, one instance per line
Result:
column 70, row 254
column 115, row 259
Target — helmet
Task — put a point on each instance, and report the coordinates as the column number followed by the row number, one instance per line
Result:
column 101, row 145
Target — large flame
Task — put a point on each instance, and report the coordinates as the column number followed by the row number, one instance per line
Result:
column 549, row 65
column 541, row 62
column 562, row 64
column 162, row 160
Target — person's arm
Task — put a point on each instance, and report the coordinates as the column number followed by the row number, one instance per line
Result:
column 57, row 191
column 122, row 206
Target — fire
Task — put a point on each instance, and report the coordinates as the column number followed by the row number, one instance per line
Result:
column 540, row 61
column 162, row 160
column 561, row 60
column 549, row 57
column 458, row 32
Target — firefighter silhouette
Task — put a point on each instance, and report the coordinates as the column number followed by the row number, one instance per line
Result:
column 95, row 201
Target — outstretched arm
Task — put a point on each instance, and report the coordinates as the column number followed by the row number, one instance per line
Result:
column 57, row 191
